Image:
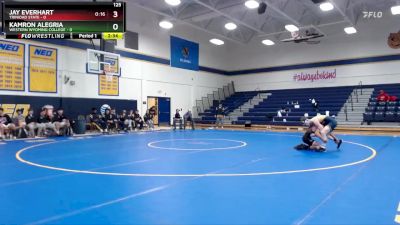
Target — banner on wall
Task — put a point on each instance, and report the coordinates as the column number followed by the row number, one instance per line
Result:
column 315, row 76
column 12, row 66
column 42, row 69
column 184, row 54
column 108, row 87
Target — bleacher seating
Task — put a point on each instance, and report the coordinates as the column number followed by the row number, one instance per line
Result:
column 230, row 104
column 383, row 111
column 330, row 99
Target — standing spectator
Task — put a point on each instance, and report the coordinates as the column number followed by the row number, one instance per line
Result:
column 153, row 111
column 148, row 119
column 31, row 123
column 138, row 120
column 383, row 96
column 6, row 126
column 188, row 117
column 314, row 104
column 220, row 115
column 177, row 119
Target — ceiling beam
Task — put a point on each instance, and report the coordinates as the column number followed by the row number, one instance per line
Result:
column 187, row 23
column 282, row 13
column 343, row 11
column 255, row 29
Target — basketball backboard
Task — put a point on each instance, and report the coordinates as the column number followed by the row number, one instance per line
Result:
column 98, row 61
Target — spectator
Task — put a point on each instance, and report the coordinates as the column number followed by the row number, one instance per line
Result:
column 393, row 98
column 61, row 122
column 220, row 115
column 123, row 121
column 20, row 124
column 115, row 116
column 315, row 104
column 153, row 111
column 138, row 120
column 148, row 119
column 7, row 128
column 283, row 110
column 177, row 119
column 109, row 120
column 188, row 117
column 383, row 96
column 31, row 123
column 48, row 120
column 96, row 121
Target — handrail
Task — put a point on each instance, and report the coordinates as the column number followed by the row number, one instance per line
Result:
column 351, row 101
column 345, row 111
column 360, row 86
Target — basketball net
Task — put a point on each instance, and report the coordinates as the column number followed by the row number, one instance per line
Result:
column 107, row 72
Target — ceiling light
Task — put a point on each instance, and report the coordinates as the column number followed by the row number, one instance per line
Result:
column 217, row 41
column 395, row 10
column 166, row 24
column 268, row 42
column 326, row 6
column 350, row 30
column 230, row 26
column 291, row 28
column 252, row 4
column 173, row 2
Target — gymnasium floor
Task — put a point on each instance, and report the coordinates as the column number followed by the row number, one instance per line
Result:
column 199, row 177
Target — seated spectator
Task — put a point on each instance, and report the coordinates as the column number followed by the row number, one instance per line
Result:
column 383, row 96
column 115, row 116
column 96, row 121
column 123, row 121
column 138, row 120
column 61, row 122
column 284, row 110
column 7, row 128
column 109, row 119
column 148, row 119
column 49, row 120
column 20, row 124
column 177, row 119
column 31, row 123
column 131, row 116
column 188, row 117
column 393, row 98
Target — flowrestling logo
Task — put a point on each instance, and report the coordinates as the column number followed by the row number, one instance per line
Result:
column 318, row 75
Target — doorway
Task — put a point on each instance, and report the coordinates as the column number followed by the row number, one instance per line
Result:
column 163, row 108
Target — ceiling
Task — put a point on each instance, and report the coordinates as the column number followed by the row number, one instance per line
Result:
column 210, row 16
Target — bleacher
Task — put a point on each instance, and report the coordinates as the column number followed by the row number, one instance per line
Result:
column 383, row 111
column 330, row 99
column 230, row 104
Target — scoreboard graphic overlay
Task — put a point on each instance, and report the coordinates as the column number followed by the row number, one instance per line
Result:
column 64, row 20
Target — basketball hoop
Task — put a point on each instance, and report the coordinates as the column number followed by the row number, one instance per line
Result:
column 295, row 34
column 107, row 72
